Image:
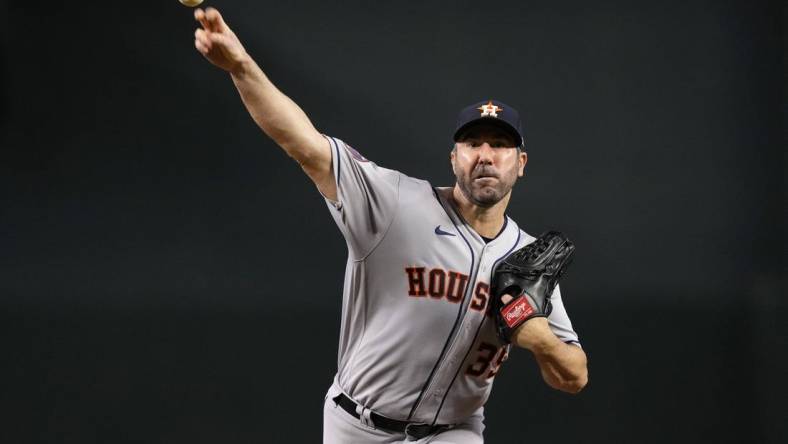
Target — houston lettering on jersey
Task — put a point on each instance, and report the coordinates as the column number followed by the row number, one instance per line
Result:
column 438, row 284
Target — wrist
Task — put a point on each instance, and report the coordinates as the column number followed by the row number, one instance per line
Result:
column 242, row 68
column 536, row 336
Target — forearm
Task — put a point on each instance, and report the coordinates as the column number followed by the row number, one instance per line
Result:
column 276, row 114
column 563, row 366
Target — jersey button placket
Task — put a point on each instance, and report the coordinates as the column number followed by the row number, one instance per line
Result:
column 483, row 267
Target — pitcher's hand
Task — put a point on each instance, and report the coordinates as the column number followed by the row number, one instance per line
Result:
column 217, row 42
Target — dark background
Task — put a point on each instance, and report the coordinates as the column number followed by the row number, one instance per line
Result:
column 169, row 275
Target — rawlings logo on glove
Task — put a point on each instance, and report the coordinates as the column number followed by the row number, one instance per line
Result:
column 516, row 311
column 529, row 276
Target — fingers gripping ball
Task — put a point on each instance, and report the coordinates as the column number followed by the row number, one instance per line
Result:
column 529, row 275
column 191, row 3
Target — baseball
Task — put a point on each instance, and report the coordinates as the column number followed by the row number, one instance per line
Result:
column 191, row 3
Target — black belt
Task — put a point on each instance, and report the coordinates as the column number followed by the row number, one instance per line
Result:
column 412, row 429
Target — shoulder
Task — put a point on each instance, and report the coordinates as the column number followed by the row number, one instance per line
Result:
column 346, row 153
column 525, row 237
column 342, row 147
column 416, row 184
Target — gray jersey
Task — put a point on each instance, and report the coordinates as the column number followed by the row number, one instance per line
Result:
column 416, row 342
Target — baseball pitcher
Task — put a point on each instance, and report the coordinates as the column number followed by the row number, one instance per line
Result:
column 439, row 283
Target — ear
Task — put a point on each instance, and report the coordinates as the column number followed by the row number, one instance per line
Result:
column 523, row 159
column 453, row 156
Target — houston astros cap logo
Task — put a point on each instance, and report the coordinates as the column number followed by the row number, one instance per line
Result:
column 489, row 109
column 490, row 112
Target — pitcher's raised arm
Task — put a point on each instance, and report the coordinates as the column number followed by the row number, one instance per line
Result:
column 275, row 113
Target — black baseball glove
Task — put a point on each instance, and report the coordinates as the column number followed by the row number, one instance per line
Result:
column 529, row 275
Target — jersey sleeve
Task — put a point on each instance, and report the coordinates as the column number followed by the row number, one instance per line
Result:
column 367, row 198
column 559, row 320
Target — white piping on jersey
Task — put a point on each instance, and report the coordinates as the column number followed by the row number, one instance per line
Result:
column 478, row 329
column 460, row 314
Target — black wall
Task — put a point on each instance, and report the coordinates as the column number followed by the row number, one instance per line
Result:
column 167, row 274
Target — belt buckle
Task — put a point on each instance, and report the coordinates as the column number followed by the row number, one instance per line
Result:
column 415, row 430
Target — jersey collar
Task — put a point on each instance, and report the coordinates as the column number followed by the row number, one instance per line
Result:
column 508, row 229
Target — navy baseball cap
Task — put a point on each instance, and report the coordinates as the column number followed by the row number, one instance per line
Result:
column 492, row 112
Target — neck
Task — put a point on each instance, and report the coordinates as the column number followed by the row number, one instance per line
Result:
column 487, row 221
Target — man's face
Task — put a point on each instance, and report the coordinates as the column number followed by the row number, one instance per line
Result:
column 487, row 164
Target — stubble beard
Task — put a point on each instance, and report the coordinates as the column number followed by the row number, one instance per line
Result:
column 483, row 193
